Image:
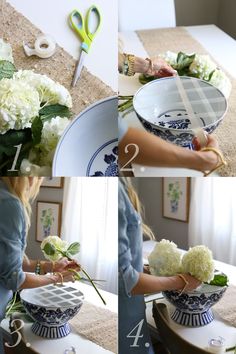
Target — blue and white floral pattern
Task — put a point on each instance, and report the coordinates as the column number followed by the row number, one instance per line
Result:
column 168, row 130
column 49, row 318
column 108, row 161
column 194, row 309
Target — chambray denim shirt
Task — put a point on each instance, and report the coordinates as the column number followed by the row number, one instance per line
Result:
column 132, row 315
column 12, row 245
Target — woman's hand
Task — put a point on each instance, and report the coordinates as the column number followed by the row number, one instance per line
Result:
column 160, row 68
column 64, row 264
column 209, row 158
column 66, row 276
column 193, row 283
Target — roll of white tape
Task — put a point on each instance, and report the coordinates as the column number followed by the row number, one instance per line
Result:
column 44, row 47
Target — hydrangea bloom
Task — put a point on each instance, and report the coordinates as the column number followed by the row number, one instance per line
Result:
column 43, row 153
column 58, row 244
column 222, row 82
column 19, row 105
column 199, row 263
column 50, row 92
column 29, row 169
column 202, row 66
column 169, row 57
column 5, row 51
column 165, row 259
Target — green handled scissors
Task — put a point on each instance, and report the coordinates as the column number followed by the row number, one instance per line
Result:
column 81, row 26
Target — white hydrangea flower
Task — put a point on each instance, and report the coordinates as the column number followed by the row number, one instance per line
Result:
column 202, row 66
column 43, row 153
column 29, row 169
column 50, row 92
column 19, row 105
column 165, row 259
column 5, row 51
column 52, row 131
column 198, row 262
column 222, row 82
column 169, row 57
column 58, row 243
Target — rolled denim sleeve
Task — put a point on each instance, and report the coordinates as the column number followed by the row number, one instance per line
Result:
column 129, row 275
column 11, row 244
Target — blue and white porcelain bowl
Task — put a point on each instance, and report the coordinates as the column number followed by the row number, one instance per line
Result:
column 161, row 110
column 51, row 307
column 193, row 309
column 89, row 146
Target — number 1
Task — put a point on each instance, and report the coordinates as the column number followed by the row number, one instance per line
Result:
column 18, row 147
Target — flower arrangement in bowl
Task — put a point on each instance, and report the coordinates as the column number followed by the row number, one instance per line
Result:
column 192, row 308
column 34, row 112
column 195, row 65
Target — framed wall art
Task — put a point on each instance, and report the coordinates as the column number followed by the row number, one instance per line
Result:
column 53, row 182
column 176, row 198
column 48, row 220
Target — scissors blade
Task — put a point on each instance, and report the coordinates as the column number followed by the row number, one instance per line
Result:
column 79, row 67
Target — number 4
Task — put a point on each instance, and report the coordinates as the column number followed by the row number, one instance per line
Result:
column 137, row 335
column 18, row 149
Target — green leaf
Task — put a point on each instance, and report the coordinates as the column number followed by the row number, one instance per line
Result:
column 143, row 79
column 49, row 112
column 7, row 69
column 74, row 248
column 220, row 280
column 37, row 127
column 184, row 61
column 16, row 137
column 210, row 76
column 49, row 249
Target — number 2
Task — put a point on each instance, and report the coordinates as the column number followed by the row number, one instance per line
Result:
column 18, row 149
column 124, row 168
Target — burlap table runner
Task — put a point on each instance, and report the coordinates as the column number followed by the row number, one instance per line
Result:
column 97, row 325
column 226, row 307
column 15, row 28
column 178, row 39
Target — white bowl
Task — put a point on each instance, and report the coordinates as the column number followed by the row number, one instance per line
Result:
column 51, row 307
column 161, row 110
column 89, row 146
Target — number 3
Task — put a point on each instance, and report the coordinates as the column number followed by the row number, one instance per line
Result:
column 124, row 169
column 18, row 333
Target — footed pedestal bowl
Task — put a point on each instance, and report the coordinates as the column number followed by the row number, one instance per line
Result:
column 193, row 309
column 51, row 307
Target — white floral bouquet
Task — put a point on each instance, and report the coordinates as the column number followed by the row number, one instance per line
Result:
column 54, row 248
column 195, row 65
column 34, row 112
column 167, row 260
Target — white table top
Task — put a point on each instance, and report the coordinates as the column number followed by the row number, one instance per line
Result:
column 51, row 17
column 222, row 48
column 81, row 345
column 198, row 336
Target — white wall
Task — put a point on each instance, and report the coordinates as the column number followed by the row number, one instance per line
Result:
column 196, row 12
column 227, row 13
column 150, row 193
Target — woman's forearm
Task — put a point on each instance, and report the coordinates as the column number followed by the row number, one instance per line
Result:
column 35, row 281
column 148, row 284
column 29, row 265
column 154, row 151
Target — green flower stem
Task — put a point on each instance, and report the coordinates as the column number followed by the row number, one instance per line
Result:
column 12, row 305
column 86, row 274
column 230, row 349
column 91, row 281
